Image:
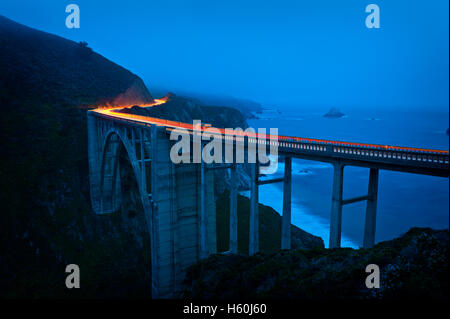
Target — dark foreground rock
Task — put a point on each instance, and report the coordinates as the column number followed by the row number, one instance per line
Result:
column 414, row 265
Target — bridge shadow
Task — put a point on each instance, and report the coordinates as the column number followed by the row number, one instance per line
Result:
column 138, row 262
column 132, row 268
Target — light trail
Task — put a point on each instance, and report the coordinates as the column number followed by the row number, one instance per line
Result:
column 140, row 119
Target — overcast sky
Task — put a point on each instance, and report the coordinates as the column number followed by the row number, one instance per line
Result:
column 305, row 53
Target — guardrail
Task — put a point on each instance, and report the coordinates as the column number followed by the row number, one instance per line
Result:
column 299, row 144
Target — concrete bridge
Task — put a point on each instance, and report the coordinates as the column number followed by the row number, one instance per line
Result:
column 178, row 199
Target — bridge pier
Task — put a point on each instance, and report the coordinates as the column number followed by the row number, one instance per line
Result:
column 336, row 206
column 286, row 219
column 203, row 217
column 371, row 210
column 338, row 202
column 233, row 211
column 254, row 213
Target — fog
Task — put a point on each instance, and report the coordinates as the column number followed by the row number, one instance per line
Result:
column 284, row 53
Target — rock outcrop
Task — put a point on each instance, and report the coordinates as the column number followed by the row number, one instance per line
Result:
column 334, row 113
column 414, row 265
column 181, row 109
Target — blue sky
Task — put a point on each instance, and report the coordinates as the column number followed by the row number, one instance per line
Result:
column 302, row 53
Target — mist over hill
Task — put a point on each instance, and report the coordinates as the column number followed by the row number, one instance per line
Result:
column 185, row 110
column 245, row 106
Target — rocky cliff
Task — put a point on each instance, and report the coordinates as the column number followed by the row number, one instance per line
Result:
column 185, row 110
column 414, row 265
column 46, row 222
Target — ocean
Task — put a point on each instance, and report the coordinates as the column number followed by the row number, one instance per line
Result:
column 404, row 200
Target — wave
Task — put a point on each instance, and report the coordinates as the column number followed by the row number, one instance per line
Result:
column 302, row 217
column 299, row 168
column 372, row 119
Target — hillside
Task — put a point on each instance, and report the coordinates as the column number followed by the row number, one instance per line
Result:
column 46, row 222
column 55, row 70
column 414, row 265
column 184, row 110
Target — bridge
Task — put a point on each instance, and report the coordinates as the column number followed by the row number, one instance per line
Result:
column 178, row 199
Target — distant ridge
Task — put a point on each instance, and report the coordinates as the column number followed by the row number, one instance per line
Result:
column 245, row 106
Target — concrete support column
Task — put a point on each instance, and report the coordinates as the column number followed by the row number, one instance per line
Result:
column 336, row 207
column 203, row 217
column 371, row 210
column 142, row 166
column 254, row 213
column 286, row 219
column 152, row 214
column 233, row 212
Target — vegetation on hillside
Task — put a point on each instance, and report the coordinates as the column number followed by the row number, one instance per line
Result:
column 414, row 265
column 46, row 221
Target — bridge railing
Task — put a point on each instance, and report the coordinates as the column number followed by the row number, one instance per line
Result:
column 374, row 152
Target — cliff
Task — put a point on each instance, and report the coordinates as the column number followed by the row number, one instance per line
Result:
column 46, row 82
column 185, row 110
column 45, row 67
column 414, row 265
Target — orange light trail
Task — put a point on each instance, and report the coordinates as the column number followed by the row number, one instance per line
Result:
column 110, row 112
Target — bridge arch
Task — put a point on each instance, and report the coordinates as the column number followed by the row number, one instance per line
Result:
column 111, row 142
column 110, row 191
column 179, row 212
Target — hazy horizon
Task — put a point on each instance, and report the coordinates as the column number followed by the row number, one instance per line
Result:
column 282, row 53
column 158, row 92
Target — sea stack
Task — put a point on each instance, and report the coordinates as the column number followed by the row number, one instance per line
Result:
column 334, row 113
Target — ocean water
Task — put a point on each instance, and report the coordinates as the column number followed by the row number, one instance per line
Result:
column 404, row 200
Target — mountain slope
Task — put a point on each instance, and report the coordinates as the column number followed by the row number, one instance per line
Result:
column 46, row 221
column 36, row 64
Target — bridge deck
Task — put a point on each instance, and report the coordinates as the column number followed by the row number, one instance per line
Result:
column 404, row 159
